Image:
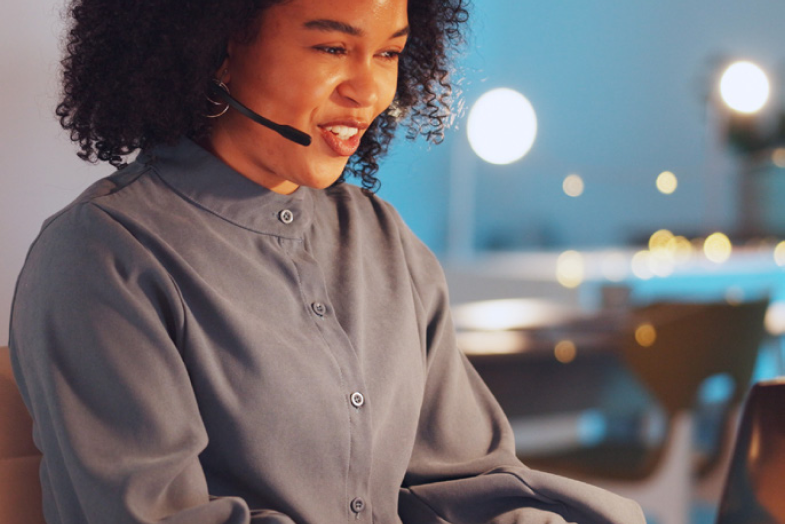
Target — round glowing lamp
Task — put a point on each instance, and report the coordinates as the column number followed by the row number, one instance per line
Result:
column 744, row 87
column 667, row 183
column 502, row 126
column 717, row 247
column 573, row 185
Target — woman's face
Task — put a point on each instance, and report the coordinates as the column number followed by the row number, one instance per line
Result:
column 325, row 67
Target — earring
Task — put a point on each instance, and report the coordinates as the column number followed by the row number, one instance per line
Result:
column 223, row 86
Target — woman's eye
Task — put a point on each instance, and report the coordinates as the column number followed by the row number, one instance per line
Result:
column 331, row 50
column 391, row 55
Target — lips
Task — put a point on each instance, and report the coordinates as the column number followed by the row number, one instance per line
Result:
column 343, row 137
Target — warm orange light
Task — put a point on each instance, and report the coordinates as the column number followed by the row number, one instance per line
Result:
column 565, row 351
column 645, row 335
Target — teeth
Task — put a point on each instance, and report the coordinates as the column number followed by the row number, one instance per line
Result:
column 343, row 132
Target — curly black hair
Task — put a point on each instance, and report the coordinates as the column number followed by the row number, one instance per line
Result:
column 136, row 74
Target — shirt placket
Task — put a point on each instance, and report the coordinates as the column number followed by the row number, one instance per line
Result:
column 317, row 305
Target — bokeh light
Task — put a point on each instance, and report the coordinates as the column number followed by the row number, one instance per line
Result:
column 778, row 157
column 775, row 318
column 779, row 254
column 502, row 126
column 490, row 342
column 573, row 185
column 717, row 248
column 641, row 267
column 592, row 427
column 661, row 258
column 716, row 389
column 659, row 240
column 665, row 252
column 744, row 87
column 734, row 295
column 508, row 313
column 565, row 351
column 667, row 183
column 614, row 266
column 570, row 269
column 645, row 335
column 663, row 265
column 681, row 248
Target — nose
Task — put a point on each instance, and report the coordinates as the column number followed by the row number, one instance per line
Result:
column 361, row 85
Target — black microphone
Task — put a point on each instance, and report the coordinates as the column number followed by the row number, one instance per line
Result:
column 288, row 132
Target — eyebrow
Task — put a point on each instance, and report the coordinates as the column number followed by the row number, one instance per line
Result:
column 341, row 27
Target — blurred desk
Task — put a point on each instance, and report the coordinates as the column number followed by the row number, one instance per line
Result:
column 671, row 347
column 748, row 273
column 533, row 328
column 539, row 357
column 751, row 272
column 533, row 382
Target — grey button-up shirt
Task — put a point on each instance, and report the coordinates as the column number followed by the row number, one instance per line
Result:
column 197, row 349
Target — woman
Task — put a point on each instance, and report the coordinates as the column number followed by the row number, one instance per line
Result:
column 221, row 331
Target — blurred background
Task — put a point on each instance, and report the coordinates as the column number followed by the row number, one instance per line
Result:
column 612, row 181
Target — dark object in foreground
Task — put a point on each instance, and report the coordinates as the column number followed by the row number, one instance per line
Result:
column 756, row 484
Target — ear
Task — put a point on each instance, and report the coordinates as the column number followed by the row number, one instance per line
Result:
column 223, row 73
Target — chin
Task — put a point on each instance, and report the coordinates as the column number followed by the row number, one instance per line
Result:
column 324, row 177
column 321, row 184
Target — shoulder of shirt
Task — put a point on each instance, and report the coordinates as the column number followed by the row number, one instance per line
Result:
column 110, row 185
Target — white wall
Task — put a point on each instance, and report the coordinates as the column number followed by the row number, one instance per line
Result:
column 39, row 172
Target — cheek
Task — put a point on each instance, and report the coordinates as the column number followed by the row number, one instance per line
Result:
column 309, row 90
column 387, row 91
column 279, row 88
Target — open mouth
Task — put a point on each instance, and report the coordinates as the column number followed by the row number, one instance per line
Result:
column 342, row 132
column 342, row 139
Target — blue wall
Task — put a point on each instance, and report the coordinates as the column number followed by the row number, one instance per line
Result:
column 620, row 91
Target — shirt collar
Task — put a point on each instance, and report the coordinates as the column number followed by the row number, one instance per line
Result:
column 203, row 179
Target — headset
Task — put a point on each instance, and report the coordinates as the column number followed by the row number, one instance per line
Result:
column 288, row 132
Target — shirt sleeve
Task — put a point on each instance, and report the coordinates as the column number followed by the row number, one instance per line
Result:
column 463, row 467
column 94, row 342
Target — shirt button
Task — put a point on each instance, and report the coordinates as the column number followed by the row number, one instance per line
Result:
column 357, row 399
column 358, row 505
column 319, row 308
column 286, row 216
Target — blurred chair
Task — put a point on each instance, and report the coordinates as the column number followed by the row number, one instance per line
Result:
column 671, row 348
column 20, row 486
column 755, row 488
